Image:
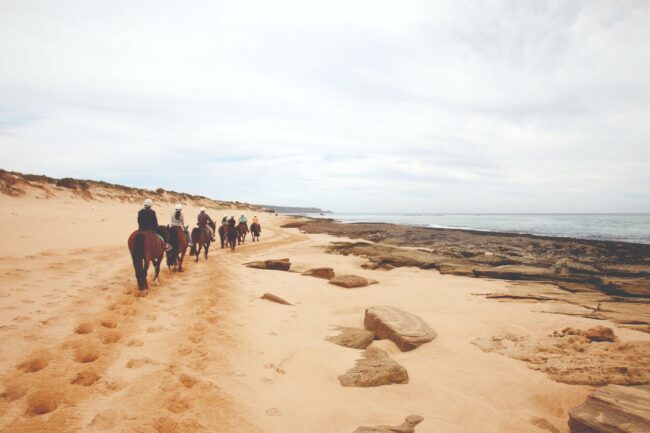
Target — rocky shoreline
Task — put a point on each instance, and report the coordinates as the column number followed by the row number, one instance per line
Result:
column 605, row 280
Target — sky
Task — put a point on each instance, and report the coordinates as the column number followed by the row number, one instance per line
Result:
column 352, row 106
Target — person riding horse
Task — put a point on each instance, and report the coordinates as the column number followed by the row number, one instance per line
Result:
column 178, row 220
column 205, row 222
column 147, row 220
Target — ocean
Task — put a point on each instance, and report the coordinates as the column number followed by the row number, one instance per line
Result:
column 611, row 227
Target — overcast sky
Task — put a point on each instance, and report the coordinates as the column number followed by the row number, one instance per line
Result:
column 424, row 106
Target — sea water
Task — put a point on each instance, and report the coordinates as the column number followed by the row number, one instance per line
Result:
column 615, row 227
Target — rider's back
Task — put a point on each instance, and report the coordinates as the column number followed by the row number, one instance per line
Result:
column 147, row 219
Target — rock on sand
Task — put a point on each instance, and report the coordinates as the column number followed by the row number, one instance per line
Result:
column 375, row 368
column 271, row 264
column 351, row 281
column 408, row 426
column 613, row 409
column 354, row 338
column 326, row 273
column 406, row 330
column 274, row 298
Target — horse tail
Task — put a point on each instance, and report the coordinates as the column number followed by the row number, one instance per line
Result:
column 138, row 261
column 195, row 241
column 173, row 241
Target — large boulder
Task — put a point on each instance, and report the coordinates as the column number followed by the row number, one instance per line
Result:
column 408, row 426
column 351, row 281
column 326, row 273
column 406, row 330
column 613, row 409
column 272, row 264
column 375, row 368
column 354, row 338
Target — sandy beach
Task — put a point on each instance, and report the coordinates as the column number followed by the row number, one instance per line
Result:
column 203, row 353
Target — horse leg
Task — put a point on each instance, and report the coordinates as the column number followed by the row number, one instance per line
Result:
column 156, row 266
column 198, row 251
column 207, row 246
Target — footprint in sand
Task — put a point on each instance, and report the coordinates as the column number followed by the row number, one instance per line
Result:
column 35, row 362
column 177, row 404
column 85, row 378
column 137, row 363
column 273, row 412
column 108, row 323
column 14, row 391
column 42, row 401
column 111, row 337
column 185, row 350
column 275, row 367
column 134, row 342
column 84, row 328
column 187, row 380
column 156, row 328
column 86, row 354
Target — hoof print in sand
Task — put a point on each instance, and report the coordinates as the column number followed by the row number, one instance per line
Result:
column 273, row 298
column 85, row 378
column 613, row 409
column 408, row 426
column 326, row 273
column 375, row 368
column 354, row 338
column 351, row 281
column 271, row 264
column 406, row 330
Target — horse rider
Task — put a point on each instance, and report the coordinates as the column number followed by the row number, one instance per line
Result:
column 204, row 221
column 243, row 220
column 255, row 220
column 224, row 221
column 231, row 221
column 147, row 220
column 178, row 220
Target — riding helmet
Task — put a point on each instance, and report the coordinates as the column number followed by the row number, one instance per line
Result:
column 179, row 206
column 148, row 203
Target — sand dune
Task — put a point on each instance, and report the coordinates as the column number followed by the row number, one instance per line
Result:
column 204, row 353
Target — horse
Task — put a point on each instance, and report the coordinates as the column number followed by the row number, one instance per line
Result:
column 175, row 236
column 256, row 229
column 242, row 230
column 232, row 235
column 145, row 248
column 223, row 229
column 201, row 239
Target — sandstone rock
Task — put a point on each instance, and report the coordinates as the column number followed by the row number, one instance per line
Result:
column 408, row 426
column 272, row 264
column 349, row 281
column 597, row 333
column 273, row 298
column 375, row 368
column 613, row 409
column 406, row 330
column 354, row 338
column 326, row 273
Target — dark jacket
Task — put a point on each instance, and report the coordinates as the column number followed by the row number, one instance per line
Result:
column 147, row 219
column 204, row 219
column 231, row 222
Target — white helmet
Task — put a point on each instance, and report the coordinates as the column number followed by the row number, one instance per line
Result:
column 148, row 203
column 202, row 209
column 179, row 206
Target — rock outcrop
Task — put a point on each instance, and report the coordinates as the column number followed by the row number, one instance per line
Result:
column 406, row 330
column 613, row 409
column 271, row 264
column 326, row 273
column 579, row 357
column 375, row 368
column 350, row 281
column 354, row 338
column 274, row 298
column 408, row 426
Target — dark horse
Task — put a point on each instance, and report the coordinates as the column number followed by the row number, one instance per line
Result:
column 200, row 238
column 223, row 233
column 242, row 231
column 256, row 229
column 145, row 247
column 232, row 234
column 175, row 236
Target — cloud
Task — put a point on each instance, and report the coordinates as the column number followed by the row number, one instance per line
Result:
column 369, row 105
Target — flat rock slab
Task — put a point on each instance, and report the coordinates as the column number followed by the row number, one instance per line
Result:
column 273, row 298
column 271, row 264
column 351, row 281
column 375, row 368
column 408, row 426
column 613, row 409
column 406, row 330
column 326, row 273
column 354, row 338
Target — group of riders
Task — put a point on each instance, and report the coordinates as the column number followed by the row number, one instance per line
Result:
column 147, row 220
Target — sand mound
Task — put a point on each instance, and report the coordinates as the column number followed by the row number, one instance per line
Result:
column 575, row 357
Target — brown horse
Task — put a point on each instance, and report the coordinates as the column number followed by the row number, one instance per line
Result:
column 256, row 229
column 242, row 231
column 223, row 230
column 175, row 236
column 232, row 234
column 201, row 239
column 145, row 247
